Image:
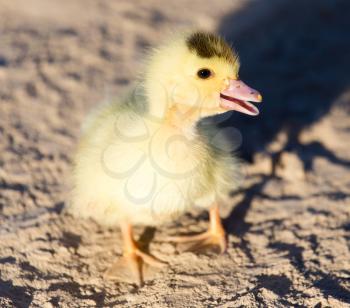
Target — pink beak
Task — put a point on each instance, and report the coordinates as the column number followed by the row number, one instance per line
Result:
column 237, row 96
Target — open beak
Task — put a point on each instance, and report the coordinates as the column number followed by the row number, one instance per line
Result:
column 237, row 96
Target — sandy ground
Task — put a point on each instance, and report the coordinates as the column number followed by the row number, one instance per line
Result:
column 288, row 226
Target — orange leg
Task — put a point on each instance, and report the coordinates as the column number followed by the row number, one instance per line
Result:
column 130, row 266
column 214, row 236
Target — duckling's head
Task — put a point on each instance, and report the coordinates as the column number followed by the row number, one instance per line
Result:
column 197, row 74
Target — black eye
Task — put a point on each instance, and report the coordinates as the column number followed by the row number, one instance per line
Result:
column 204, row 73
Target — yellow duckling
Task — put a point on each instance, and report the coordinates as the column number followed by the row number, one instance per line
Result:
column 142, row 159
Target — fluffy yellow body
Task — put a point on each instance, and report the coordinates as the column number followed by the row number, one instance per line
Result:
column 132, row 167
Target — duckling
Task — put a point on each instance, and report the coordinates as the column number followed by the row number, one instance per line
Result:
column 142, row 159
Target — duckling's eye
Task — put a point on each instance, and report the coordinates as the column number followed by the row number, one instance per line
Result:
column 204, row 73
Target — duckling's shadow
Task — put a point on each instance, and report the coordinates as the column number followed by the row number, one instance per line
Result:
column 297, row 54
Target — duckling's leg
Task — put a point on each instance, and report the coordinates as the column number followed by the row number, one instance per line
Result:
column 215, row 237
column 129, row 268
